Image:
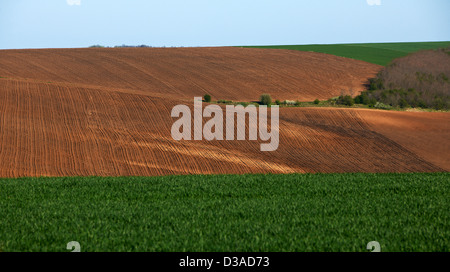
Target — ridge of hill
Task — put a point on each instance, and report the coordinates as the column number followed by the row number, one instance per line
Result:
column 376, row 53
column 228, row 73
column 107, row 112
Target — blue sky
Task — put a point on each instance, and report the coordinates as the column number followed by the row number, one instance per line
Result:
column 81, row 23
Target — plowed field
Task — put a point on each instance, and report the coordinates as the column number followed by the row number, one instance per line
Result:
column 106, row 112
column 240, row 74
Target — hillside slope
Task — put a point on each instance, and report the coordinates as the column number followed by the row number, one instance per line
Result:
column 377, row 53
column 239, row 74
column 49, row 129
column 107, row 112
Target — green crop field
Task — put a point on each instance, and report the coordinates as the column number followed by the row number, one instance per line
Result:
column 377, row 53
column 237, row 213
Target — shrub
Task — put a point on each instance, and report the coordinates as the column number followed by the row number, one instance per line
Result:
column 346, row 100
column 278, row 102
column 363, row 98
column 376, row 84
column 382, row 106
column 333, row 100
column 265, row 99
column 317, row 101
column 297, row 103
column 421, row 103
column 207, row 98
column 372, row 102
column 403, row 103
column 438, row 104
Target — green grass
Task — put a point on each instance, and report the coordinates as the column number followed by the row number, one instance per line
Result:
column 377, row 53
column 298, row 212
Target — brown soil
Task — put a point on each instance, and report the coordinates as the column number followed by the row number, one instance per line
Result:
column 240, row 74
column 424, row 133
column 55, row 122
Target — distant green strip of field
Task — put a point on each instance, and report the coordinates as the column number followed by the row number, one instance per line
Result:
column 237, row 213
column 377, row 53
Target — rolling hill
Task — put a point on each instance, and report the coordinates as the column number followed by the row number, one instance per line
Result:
column 106, row 112
column 377, row 53
column 225, row 73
